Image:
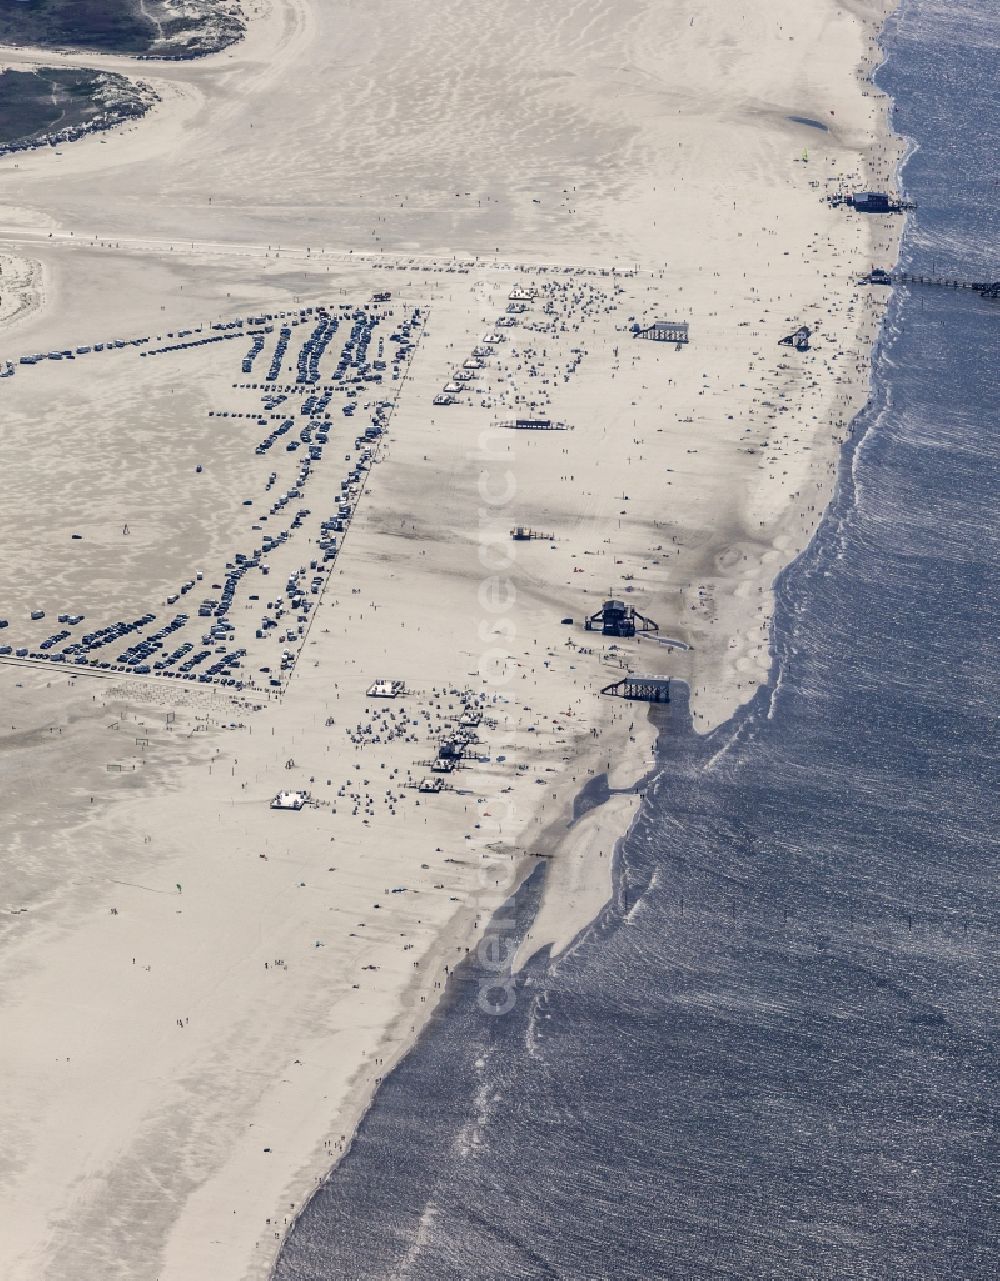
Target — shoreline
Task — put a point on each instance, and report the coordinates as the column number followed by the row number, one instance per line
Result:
column 550, row 935
column 451, row 326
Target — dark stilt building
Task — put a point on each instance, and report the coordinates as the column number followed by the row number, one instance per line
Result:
column 799, row 340
column 664, row 331
column 873, row 202
column 522, row 534
column 615, row 618
column 645, row 689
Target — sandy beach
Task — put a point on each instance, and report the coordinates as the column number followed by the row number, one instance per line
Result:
column 199, row 993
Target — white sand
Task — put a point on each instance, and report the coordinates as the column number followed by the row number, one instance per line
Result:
column 166, row 1118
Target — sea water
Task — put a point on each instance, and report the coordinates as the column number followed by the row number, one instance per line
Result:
column 775, row 1054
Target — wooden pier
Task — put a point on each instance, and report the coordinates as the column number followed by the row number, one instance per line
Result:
column 987, row 288
column 522, row 534
column 872, row 202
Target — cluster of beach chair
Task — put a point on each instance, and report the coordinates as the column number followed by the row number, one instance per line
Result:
column 450, row 724
column 552, row 308
column 463, row 266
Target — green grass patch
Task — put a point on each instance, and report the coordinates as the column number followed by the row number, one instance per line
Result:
column 34, row 104
column 112, row 26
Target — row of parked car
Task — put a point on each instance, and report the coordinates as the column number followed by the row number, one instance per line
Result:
column 208, row 644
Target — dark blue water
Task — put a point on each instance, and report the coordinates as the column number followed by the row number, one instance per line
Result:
column 776, row 1054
